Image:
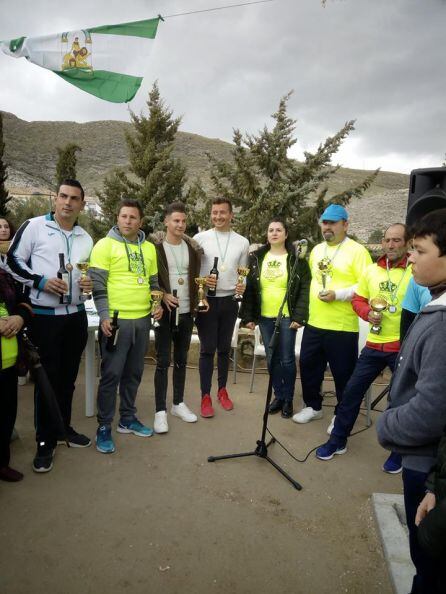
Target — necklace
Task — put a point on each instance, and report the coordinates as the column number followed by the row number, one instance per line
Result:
column 179, row 266
column 223, row 266
column 136, row 264
column 68, row 243
column 393, row 294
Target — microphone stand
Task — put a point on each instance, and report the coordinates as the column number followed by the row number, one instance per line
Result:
column 261, row 450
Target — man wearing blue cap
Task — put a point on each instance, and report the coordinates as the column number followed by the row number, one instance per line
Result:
column 331, row 335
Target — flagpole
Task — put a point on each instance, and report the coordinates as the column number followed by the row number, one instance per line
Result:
column 169, row 16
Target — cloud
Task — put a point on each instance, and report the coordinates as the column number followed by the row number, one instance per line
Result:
column 375, row 61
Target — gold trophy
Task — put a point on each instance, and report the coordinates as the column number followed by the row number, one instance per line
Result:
column 156, row 302
column 242, row 272
column 83, row 267
column 203, row 305
column 378, row 305
column 325, row 270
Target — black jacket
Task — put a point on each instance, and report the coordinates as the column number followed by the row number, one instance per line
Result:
column 299, row 288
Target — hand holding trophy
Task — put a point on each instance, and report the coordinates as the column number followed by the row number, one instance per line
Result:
column 203, row 305
column 325, row 271
column 242, row 272
column 157, row 297
column 378, row 305
column 83, row 267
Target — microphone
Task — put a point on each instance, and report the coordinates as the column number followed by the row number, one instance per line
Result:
column 300, row 247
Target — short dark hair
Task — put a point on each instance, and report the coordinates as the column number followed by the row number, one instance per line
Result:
column 74, row 184
column 407, row 235
column 174, row 207
column 222, row 200
column 433, row 225
column 11, row 226
column 132, row 203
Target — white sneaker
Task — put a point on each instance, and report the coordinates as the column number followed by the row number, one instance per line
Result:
column 160, row 422
column 182, row 411
column 331, row 425
column 307, row 414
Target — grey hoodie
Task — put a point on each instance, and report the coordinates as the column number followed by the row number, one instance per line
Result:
column 416, row 417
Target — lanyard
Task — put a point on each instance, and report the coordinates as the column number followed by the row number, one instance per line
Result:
column 141, row 256
column 179, row 266
column 336, row 252
column 393, row 294
column 223, row 256
column 68, row 241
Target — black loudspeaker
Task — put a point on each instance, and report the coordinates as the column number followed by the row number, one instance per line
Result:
column 427, row 192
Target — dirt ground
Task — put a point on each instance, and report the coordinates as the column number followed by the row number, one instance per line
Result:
column 156, row 516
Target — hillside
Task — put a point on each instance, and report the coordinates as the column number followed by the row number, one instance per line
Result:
column 31, row 157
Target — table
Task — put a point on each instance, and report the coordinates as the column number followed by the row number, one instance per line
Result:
column 90, row 360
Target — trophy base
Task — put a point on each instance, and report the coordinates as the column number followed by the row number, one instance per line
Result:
column 375, row 330
column 323, row 293
column 202, row 307
column 238, row 298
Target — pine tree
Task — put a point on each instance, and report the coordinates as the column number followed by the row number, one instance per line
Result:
column 263, row 181
column 4, row 196
column 156, row 178
column 66, row 162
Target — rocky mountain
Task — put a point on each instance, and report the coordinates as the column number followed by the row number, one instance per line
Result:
column 30, row 152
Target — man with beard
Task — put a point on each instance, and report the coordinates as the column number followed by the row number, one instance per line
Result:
column 388, row 278
column 331, row 335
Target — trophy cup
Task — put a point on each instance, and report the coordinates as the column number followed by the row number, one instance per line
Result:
column 242, row 272
column 83, row 267
column 203, row 305
column 325, row 270
column 378, row 305
column 156, row 302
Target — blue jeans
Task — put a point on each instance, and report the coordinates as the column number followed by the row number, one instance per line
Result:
column 282, row 365
column 369, row 365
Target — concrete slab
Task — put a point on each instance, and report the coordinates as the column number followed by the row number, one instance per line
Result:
column 392, row 528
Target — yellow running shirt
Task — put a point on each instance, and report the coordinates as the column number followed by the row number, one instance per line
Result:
column 391, row 285
column 10, row 347
column 273, row 284
column 349, row 261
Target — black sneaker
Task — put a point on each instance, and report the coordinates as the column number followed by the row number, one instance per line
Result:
column 43, row 461
column 77, row 440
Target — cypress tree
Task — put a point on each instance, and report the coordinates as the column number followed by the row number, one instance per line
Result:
column 66, row 162
column 155, row 177
column 4, row 195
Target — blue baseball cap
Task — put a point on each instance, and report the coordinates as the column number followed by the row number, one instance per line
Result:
column 334, row 212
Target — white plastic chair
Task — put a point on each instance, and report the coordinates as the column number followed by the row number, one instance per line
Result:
column 234, row 347
column 259, row 351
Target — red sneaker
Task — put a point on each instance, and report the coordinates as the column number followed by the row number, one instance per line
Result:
column 223, row 398
column 207, row 410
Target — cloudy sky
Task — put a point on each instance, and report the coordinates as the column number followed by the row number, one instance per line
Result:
column 381, row 62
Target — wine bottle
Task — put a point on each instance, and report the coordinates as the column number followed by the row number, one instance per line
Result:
column 110, row 344
column 214, row 273
column 64, row 275
column 175, row 315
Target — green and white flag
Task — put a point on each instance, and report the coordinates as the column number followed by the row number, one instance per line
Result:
column 107, row 61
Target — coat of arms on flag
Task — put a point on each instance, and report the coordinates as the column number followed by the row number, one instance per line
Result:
column 97, row 60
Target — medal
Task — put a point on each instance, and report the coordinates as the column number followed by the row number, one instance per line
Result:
column 140, row 280
column 392, row 309
column 223, row 267
column 181, row 281
column 69, row 266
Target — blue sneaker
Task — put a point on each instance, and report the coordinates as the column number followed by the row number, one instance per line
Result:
column 393, row 464
column 135, row 427
column 104, row 440
column 330, row 449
